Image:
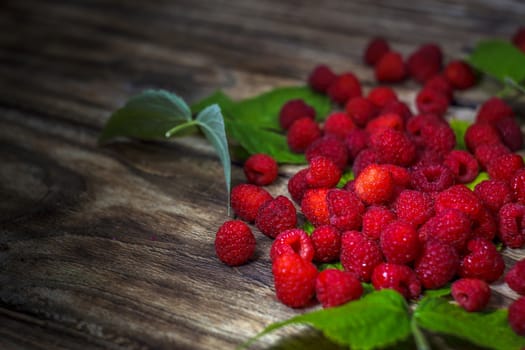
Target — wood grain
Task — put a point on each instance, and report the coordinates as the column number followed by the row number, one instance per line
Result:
column 112, row 247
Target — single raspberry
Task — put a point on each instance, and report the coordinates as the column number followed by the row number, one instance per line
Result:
column 505, row 166
column 295, row 241
column 515, row 278
column 430, row 101
column 393, row 147
column 510, row 133
column 326, row 240
column 294, row 110
column 463, row 165
column 297, row 185
column 511, row 218
column 329, row 147
column 431, row 178
column 335, row 287
column 359, row 255
column 321, row 78
column 302, row 133
column 385, row 121
column 260, row 169
column 492, row 110
column 425, row 62
column 518, row 38
column 322, row 172
column 483, row 261
column 460, row 75
column 471, row 294
column 449, row 226
column 246, row 199
column 380, row 96
column 276, row 216
column 294, row 280
column 487, row 153
column 375, row 219
column 397, row 107
column 493, row 194
column 458, row 197
column 415, row 124
column 344, row 87
column 437, row 264
column 234, row 243
column 441, row 84
column 374, row 185
column 390, row 68
column 365, row 158
column 361, row 110
column 375, row 50
column 517, row 185
column 517, row 316
column 346, row 209
column 399, row 242
column 438, row 137
column 400, row 278
column 338, row 124
column 315, row 206
column 426, row 157
column 478, row 134
column 414, row 207
column 485, row 225
column 400, row 175
column 356, row 141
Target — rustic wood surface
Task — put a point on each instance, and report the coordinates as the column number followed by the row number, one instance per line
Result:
column 112, row 247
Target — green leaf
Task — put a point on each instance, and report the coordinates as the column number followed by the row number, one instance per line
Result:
column 487, row 329
column 438, row 292
column 218, row 97
column 482, row 176
column 499, row 59
column 308, row 227
column 326, row 266
column 460, row 128
column 347, row 176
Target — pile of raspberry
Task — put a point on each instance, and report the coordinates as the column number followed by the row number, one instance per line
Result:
column 406, row 221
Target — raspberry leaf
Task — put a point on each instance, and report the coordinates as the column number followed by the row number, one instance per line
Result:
column 482, row 176
column 460, row 128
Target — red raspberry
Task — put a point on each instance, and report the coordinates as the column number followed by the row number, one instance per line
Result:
column 479, row 134
column 505, row 166
column 345, row 208
column 246, row 199
column 327, row 243
column 425, row 63
column 295, row 241
column 365, row 158
column 315, row 206
column 430, row 101
column 397, row 107
column 375, row 50
column 400, row 175
column 356, row 141
column 359, row 255
column 486, row 153
column 510, row 133
column 385, row 121
column 439, row 138
column 436, row 265
column 400, row 278
column 517, row 185
column 361, row 110
column 493, row 110
column 380, row 96
column 322, row 173
column 484, row 226
column 393, row 147
column 483, row 261
column 294, row 280
column 449, row 226
column 471, row 294
column 374, row 185
column 515, row 278
column 427, row 157
column 338, row 124
column 334, row 287
column 399, row 242
column 518, row 38
column 414, row 207
column 431, row 178
column 345, row 87
column 517, row 316
column 441, row 84
column 460, row 75
column 459, row 197
column 294, row 110
column 375, row 219
column 390, row 68
column 463, row 165
column 511, row 220
column 234, row 243
column 493, row 194
column 321, row 78
column 276, row 216
column 297, row 185
column 302, row 133
column 329, row 147
column 415, row 124
column 260, row 169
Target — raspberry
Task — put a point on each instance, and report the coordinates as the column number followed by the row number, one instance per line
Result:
column 380, row 96
column 414, row 207
column 517, row 316
column 478, row 134
column 246, row 199
column 439, row 137
column 322, row 173
column 505, row 166
column 441, row 84
column 416, row 123
column 276, row 216
column 397, row 107
column 483, row 261
column 450, row 226
column 338, row 124
column 375, row 219
column 471, row 294
column 518, row 38
column 383, row 122
column 515, row 278
column 346, row 209
column 400, row 278
column 294, row 280
column 295, row 241
column 486, row 153
column 492, row 110
column 365, row 158
column 329, row 147
column 399, row 242
column 484, row 226
column 297, row 185
column 334, row 287
column 510, row 133
column 393, row 147
column 431, row 178
column 460, row 75
column 359, row 255
column 390, row 68
column 430, row 101
column 463, row 165
column 344, row 87
column 302, row 133
column 327, row 243
column 356, row 141
column 361, row 110
column 321, row 78
column 260, row 169
column 315, row 206
column 517, row 185
column 493, row 194
column 400, row 175
column 436, row 265
column 459, row 197
column 511, row 218
column 425, row 63
column 234, row 243
column 375, row 50
column 294, row 110
column 425, row 157
column 374, row 185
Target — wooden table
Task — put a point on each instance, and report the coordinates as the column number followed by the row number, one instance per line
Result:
column 112, row 247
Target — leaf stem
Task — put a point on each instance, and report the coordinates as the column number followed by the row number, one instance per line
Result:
column 511, row 82
column 180, row 127
column 419, row 337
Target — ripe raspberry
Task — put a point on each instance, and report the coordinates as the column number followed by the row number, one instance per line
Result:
column 359, row 255
column 375, row 219
column 510, row 133
column 400, row 278
column 415, row 124
column 321, row 78
column 460, row 75
column 511, row 220
column 436, row 265
column 493, row 194
column 276, row 216
column 338, row 124
column 471, row 294
column 414, row 207
column 487, row 153
column 346, row 209
column 441, row 84
column 518, row 38
column 356, row 141
column 361, row 110
column 246, row 199
column 400, row 175
column 380, row 96
column 431, row 178
column 294, row 280
column 517, row 316
column 430, row 101
column 374, row 185
column 517, row 185
column 483, row 261
column 334, row 287
column 484, row 226
column 438, row 137
column 449, row 226
column 393, row 147
column 505, row 166
column 297, row 185
column 365, row 158
column 345, row 87
column 302, row 133
column 390, row 68
column 459, row 197
column 492, row 110
column 315, row 206
column 425, row 157
column 327, row 243
column 425, row 63
column 463, row 165
column 375, row 50
column 399, row 242
column 329, row 147
column 515, row 278
column 260, row 169
column 322, row 172
column 295, row 241
column 383, row 122
column 294, row 110
column 234, row 243
column 478, row 134
column 397, row 107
